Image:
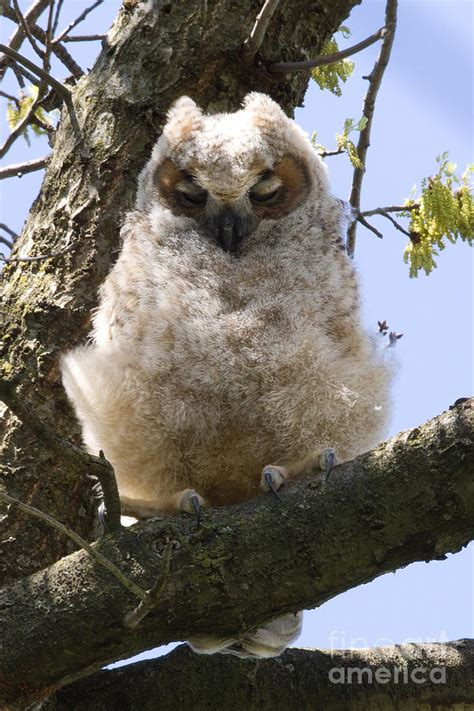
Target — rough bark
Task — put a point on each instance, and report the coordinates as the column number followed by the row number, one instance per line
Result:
column 155, row 52
column 406, row 677
column 410, row 499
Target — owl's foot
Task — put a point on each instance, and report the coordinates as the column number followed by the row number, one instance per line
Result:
column 273, row 478
column 267, row 641
column 191, row 502
column 327, row 461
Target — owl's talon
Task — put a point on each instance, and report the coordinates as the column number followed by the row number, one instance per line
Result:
column 327, row 461
column 102, row 514
column 190, row 502
column 268, row 477
column 272, row 479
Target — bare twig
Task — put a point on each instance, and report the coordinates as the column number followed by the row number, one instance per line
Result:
column 59, row 50
column 384, row 211
column 78, row 20
column 10, row 232
column 46, row 434
column 20, row 169
column 21, row 74
column 26, row 29
column 327, row 154
column 56, row 85
column 254, row 42
column 375, row 80
column 81, row 543
column 133, row 618
column 284, row 67
column 15, row 99
column 370, row 227
column 59, row 7
column 36, row 258
column 48, row 38
column 15, row 41
column 83, row 38
column 396, row 224
column 390, row 208
column 99, row 466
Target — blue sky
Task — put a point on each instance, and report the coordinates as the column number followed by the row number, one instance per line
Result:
column 424, row 108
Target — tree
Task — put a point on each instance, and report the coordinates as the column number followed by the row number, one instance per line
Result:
column 67, row 613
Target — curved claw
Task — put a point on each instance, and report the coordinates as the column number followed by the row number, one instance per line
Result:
column 330, row 460
column 102, row 514
column 268, row 477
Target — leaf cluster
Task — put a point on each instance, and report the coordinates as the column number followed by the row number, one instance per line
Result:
column 18, row 110
column 328, row 76
column 444, row 210
column 344, row 143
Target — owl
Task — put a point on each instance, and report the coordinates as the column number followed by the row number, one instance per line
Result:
column 227, row 354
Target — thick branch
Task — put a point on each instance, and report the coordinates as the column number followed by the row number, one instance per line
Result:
column 404, row 678
column 410, row 499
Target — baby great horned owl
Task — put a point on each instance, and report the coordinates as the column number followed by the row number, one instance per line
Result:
column 228, row 335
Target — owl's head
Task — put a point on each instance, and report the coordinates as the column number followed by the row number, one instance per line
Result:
column 230, row 172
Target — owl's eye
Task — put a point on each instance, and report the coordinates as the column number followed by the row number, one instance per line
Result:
column 190, row 193
column 268, row 189
column 191, row 198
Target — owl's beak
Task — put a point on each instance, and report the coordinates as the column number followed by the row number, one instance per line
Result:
column 230, row 228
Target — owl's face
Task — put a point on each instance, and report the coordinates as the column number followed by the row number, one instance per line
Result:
column 229, row 172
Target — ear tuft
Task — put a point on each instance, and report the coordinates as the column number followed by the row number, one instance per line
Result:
column 262, row 104
column 184, row 106
column 184, row 117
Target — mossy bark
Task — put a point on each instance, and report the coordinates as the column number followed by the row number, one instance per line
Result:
column 155, row 52
column 410, row 499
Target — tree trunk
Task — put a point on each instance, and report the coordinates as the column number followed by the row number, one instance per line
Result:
column 154, row 53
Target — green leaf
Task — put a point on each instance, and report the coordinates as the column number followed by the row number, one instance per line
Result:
column 443, row 213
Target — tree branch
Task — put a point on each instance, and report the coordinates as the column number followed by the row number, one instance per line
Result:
column 82, row 461
column 83, row 38
column 77, row 21
column 59, row 88
column 407, row 676
column 410, row 499
column 368, row 226
column 80, row 543
column 15, row 41
column 375, row 81
column 254, row 42
column 26, row 29
column 324, row 59
column 390, row 208
column 59, row 50
column 20, row 169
